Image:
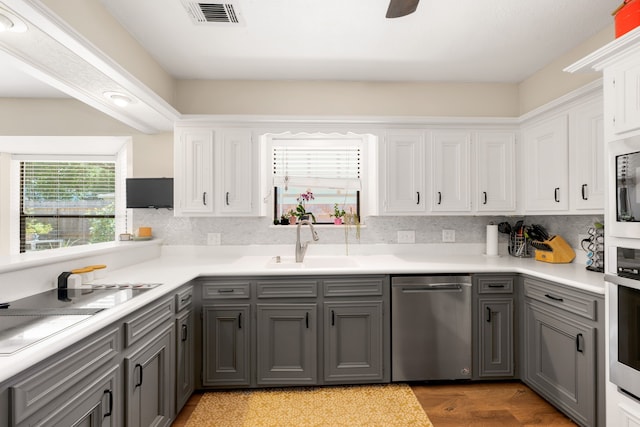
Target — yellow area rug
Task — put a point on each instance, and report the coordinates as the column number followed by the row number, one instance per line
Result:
column 375, row 405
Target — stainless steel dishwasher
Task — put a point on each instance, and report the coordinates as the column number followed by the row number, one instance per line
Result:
column 430, row 327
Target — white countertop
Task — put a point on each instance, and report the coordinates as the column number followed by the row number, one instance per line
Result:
column 178, row 265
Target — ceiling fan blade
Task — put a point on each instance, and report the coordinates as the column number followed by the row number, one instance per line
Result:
column 398, row 8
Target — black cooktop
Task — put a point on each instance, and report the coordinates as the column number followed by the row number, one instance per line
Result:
column 89, row 300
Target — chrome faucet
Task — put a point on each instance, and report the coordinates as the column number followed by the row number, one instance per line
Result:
column 301, row 248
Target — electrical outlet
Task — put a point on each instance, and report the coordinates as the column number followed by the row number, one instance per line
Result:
column 213, row 239
column 448, row 236
column 406, row 236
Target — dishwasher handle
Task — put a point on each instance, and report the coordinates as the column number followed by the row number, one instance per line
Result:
column 434, row 287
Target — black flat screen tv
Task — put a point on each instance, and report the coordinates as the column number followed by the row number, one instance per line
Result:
column 150, row 193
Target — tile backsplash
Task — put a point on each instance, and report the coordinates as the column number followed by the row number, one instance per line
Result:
column 378, row 229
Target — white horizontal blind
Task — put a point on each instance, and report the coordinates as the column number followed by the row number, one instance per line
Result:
column 67, row 203
column 68, row 188
column 316, row 166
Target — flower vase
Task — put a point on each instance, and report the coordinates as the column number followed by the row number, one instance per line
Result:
column 337, row 221
column 292, row 220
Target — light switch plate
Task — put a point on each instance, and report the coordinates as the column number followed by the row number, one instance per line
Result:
column 406, row 236
column 213, row 239
column 448, row 236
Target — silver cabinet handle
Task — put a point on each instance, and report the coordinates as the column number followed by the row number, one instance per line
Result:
column 584, row 192
column 556, row 194
column 204, row 198
column 226, row 198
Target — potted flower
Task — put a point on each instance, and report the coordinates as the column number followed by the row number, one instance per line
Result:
column 337, row 215
column 301, row 210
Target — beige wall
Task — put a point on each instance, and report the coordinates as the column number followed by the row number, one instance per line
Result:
column 152, row 154
column 346, row 98
column 551, row 82
column 91, row 19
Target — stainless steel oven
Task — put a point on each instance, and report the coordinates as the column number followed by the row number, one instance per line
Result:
column 624, row 322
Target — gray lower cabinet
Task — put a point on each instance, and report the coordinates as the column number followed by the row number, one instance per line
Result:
column 184, row 348
column 563, row 359
column 81, row 386
column 225, row 344
column 92, row 406
column 287, row 344
column 353, row 341
column 149, row 380
column 494, row 327
column 294, row 330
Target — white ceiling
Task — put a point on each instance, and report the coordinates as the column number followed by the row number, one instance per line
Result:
column 445, row 40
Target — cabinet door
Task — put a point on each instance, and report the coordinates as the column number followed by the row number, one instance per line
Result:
column 184, row 358
column 225, row 343
column 627, row 97
column 587, row 156
column 560, row 361
column 450, row 166
column 353, row 341
column 94, row 404
column 404, row 187
column 193, row 182
column 237, row 171
column 496, row 178
column 546, row 148
column 150, row 381
column 287, row 344
column 495, row 329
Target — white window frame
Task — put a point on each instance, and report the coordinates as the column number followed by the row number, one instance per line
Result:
column 18, row 148
column 368, row 163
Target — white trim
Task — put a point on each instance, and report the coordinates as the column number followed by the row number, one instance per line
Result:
column 593, row 88
column 598, row 60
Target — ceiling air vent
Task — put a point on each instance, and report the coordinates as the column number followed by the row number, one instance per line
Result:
column 227, row 12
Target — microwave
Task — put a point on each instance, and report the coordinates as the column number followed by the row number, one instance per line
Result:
column 624, row 189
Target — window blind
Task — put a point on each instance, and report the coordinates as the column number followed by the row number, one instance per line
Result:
column 326, row 167
column 67, row 188
column 66, row 203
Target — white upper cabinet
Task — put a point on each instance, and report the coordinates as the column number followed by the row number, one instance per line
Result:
column 495, row 172
column 214, row 172
column 450, row 166
column 403, row 179
column 546, row 163
column 237, row 169
column 586, row 147
column 193, row 172
column 626, row 93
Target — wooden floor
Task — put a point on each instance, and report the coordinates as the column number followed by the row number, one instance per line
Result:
column 498, row 404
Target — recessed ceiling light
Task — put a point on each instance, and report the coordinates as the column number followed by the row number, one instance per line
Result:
column 10, row 22
column 121, row 100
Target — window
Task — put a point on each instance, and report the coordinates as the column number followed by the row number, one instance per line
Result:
column 319, row 173
column 66, row 203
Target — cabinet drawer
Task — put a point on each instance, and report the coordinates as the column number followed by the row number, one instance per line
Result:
column 495, row 285
column 353, row 287
column 58, row 376
column 572, row 301
column 287, row 289
column 226, row 290
column 184, row 299
column 144, row 321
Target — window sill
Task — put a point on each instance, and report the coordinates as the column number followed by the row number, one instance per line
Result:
column 39, row 258
column 320, row 226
